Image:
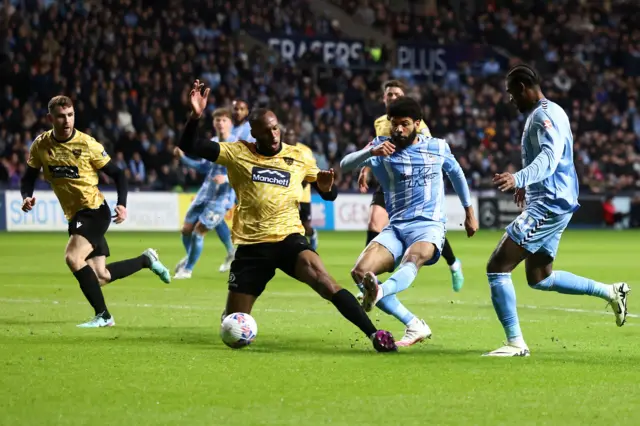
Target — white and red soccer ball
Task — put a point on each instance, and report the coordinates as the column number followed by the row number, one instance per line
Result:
column 238, row 330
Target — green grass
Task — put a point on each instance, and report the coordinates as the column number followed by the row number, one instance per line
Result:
column 164, row 363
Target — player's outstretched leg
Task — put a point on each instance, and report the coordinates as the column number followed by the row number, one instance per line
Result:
column 149, row 259
column 540, row 276
column 376, row 259
column 78, row 249
column 222, row 229
column 455, row 266
column 310, row 270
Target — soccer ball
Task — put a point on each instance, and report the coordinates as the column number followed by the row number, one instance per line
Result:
column 238, row 330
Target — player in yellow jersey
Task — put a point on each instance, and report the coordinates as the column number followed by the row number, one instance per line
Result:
column 290, row 138
column 378, row 217
column 71, row 160
column 267, row 177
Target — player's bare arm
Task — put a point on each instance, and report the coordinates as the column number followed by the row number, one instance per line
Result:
column 188, row 141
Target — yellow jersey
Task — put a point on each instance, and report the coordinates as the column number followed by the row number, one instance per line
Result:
column 268, row 190
column 383, row 127
column 71, row 168
column 306, row 188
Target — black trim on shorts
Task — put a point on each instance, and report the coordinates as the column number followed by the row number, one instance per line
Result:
column 305, row 212
column 255, row 264
column 378, row 198
column 93, row 225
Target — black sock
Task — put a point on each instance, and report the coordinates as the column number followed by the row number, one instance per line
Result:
column 371, row 235
column 124, row 268
column 90, row 286
column 349, row 307
column 447, row 253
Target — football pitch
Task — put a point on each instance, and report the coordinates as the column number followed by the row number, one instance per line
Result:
column 164, row 363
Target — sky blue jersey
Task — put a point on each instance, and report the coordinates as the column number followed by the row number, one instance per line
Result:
column 412, row 178
column 548, row 172
column 211, row 192
column 243, row 132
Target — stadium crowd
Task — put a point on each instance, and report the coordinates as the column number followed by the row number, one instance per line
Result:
column 128, row 66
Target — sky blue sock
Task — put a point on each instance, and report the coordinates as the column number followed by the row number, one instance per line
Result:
column 401, row 279
column 313, row 240
column 225, row 236
column 503, row 296
column 568, row 283
column 197, row 243
column 186, row 242
column 392, row 306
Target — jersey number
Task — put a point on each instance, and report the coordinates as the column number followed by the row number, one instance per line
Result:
column 64, row 172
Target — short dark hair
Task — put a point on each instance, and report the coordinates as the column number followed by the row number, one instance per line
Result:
column 241, row 100
column 524, row 74
column 405, row 106
column 256, row 115
column 394, row 83
column 60, row 101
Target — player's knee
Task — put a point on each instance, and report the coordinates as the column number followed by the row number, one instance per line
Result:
column 201, row 229
column 187, row 229
column 494, row 266
column 104, row 277
column 74, row 261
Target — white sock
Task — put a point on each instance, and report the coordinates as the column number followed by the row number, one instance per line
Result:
column 455, row 266
column 518, row 341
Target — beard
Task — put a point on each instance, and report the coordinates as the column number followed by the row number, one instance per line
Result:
column 402, row 142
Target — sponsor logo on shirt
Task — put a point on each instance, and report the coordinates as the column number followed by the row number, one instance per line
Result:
column 270, row 176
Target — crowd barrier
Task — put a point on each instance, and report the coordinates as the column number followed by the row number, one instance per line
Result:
column 165, row 211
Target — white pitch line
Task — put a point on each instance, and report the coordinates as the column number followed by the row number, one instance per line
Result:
column 290, row 311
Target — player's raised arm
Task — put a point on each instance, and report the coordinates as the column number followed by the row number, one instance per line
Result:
column 453, row 170
column 355, row 159
column 201, row 166
column 551, row 147
column 189, row 142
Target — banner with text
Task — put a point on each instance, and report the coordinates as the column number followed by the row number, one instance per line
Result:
column 351, row 212
column 432, row 61
column 147, row 211
column 330, row 51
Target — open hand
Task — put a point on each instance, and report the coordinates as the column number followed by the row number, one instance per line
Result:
column 385, row 149
column 177, row 152
column 121, row 214
column 198, row 99
column 325, row 180
column 362, row 180
column 519, row 197
column 504, row 181
column 28, row 203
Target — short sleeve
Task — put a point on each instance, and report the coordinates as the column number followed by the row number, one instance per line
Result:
column 34, row 158
column 424, row 129
column 228, row 152
column 99, row 157
column 311, row 166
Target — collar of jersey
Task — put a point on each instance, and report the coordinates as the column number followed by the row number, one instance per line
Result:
column 268, row 155
column 53, row 136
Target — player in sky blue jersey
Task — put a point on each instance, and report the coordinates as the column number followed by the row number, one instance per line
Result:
column 241, row 126
column 409, row 167
column 210, row 205
column 547, row 188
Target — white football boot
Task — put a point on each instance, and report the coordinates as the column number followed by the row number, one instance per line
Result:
column 180, row 265
column 97, row 322
column 182, row 274
column 510, row 349
column 417, row 330
column 226, row 265
column 619, row 302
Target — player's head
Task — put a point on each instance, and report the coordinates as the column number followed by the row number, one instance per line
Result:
column 266, row 130
column 405, row 115
column 240, row 111
column 523, row 86
column 290, row 137
column 61, row 116
column 222, row 121
column 392, row 90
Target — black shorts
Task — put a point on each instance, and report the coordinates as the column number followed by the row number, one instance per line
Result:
column 256, row 264
column 305, row 212
column 378, row 198
column 93, row 224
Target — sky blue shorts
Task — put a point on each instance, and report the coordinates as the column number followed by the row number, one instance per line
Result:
column 537, row 230
column 208, row 214
column 398, row 237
